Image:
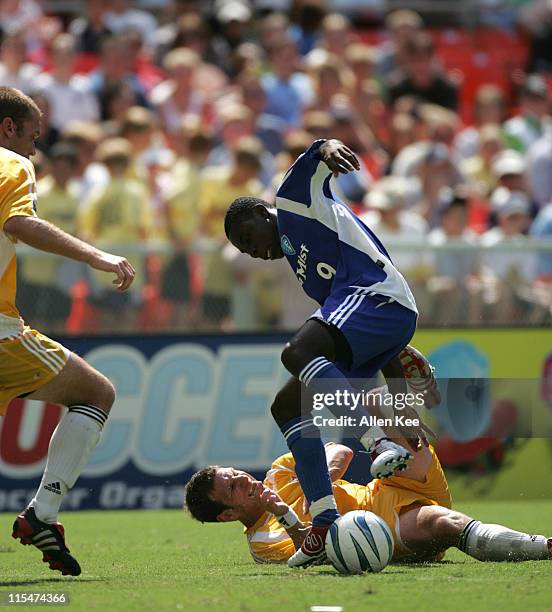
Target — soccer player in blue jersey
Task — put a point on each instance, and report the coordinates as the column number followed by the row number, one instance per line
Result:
column 366, row 318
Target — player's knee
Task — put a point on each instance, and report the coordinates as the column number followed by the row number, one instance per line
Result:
column 282, row 409
column 109, row 395
column 104, row 394
column 295, row 357
column 446, row 525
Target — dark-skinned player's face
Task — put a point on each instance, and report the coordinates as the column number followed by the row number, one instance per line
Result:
column 257, row 234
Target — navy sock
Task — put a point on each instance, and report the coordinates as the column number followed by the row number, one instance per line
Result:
column 321, row 375
column 303, row 440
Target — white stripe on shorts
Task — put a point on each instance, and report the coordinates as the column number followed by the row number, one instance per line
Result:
column 42, row 357
column 343, row 306
column 345, row 313
column 51, row 354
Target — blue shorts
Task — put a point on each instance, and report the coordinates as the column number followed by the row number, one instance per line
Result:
column 375, row 326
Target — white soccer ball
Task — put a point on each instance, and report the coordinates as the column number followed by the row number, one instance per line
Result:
column 359, row 541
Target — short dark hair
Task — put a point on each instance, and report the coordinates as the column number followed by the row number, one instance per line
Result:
column 239, row 210
column 198, row 500
column 16, row 105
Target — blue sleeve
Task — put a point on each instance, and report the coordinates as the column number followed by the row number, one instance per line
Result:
column 296, row 185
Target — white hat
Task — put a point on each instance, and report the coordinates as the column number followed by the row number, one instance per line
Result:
column 234, row 11
column 388, row 193
column 508, row 162
column 506, row 202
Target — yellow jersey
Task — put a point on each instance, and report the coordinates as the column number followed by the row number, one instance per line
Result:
column 17, row 198
column 269, row 542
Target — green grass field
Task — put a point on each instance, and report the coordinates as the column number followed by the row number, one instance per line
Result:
column 162, row 560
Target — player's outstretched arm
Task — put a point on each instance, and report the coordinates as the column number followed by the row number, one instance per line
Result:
column 44, row 236
column 338, row 157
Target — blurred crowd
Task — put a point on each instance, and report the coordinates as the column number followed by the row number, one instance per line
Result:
column 153, row 121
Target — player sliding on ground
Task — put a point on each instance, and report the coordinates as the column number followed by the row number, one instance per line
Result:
column 32, row 365
column 416, row 506
column 366, row 318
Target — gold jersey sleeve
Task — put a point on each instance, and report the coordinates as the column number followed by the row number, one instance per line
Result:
column 17, row 198
column 17, row 186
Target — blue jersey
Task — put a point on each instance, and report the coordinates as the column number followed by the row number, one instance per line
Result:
column 326, row 244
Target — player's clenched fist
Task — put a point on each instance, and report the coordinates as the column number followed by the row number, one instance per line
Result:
column 338, row 157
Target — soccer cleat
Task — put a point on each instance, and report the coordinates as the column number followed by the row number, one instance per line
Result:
column 48, row 538
column 420, row 377
column 388, row 458
column 313, row 548
column 549, row 542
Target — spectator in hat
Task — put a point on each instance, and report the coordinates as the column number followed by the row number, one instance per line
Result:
column 510, row 170
column 388, row 217
column 510, row 270
column 233, row 18
column 533, row 119
column 454, row 284
column 402, row 25
column 421, row 76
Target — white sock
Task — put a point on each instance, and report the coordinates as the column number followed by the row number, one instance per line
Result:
column 371, row 436
column 75, row 437
column 488, row 542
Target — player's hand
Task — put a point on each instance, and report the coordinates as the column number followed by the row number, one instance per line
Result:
column 414, row 433
column 113, row 263
column 338, row 157
column 270, row 500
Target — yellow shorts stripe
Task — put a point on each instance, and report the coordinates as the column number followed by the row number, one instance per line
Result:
column 53, row 355
column 27, row 362
column 35, row 348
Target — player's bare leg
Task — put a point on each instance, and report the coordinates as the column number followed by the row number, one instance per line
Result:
column 89, row 397
column 430, row 530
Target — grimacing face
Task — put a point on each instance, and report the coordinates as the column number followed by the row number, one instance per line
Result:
column 257, row 235
column 234, row 488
